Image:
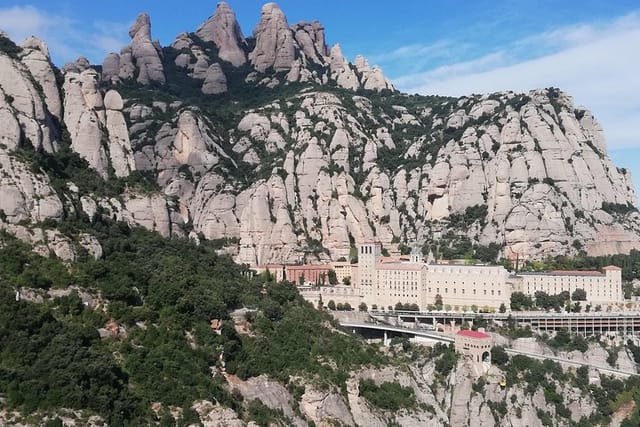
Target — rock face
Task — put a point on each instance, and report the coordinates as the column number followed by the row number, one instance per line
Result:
column 224, row 31
column 215, row 81
column 145, row 53
column 119, row 145
column 111, row 67
column 372, row 78
column 306, row 176
column 274, row 41
column 23, row 113
column 38, row 62
column 84, row 117
column 298, row 50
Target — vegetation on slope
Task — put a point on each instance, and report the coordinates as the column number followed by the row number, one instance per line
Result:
column 165, row 293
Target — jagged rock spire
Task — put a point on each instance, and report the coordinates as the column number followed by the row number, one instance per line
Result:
column 145, row 52
column 224, row 31
column 274, row 41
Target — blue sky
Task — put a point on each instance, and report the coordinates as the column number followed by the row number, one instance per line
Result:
column 588, row 48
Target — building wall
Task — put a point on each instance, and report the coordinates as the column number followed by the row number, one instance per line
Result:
column 339, row 294
column 278, row 271
column 375, row 280
column 600, row 288
column 310, row 272
column 398, row 282
column 474, row 347
column 465, row 285
column 342, row 270
column 368, row 257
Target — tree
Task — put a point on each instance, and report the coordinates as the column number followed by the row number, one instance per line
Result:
column 301, row 280
column 362, row 307
column 346, row 281
column 579, row 295
column 438, row 302
column 520, row 301
column 499, row 356
column 320, row 304
column 340, row 307
column 331, row 305
column 503, row 308
column 399, row 306
column 333, row 280
column 347, row 306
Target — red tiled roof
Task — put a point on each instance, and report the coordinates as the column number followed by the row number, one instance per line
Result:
column 473, row 334
column 612, row 267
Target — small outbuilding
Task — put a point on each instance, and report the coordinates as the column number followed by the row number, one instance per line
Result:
column 476, row 344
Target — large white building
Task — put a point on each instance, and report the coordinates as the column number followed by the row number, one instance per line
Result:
column 384, row 282
column 601, row 287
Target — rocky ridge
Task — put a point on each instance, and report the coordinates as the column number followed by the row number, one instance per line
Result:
column 308, row 168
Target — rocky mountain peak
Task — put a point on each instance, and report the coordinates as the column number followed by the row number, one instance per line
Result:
column 274, row 41
column 310, row 38
column 143, row 56
column 224, row 31
column 141, row 28
column 35, row 43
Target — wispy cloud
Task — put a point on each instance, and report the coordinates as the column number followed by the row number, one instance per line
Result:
column 67, row 37
column 597, row 63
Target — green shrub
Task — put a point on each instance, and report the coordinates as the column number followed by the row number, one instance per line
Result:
column 387, row 396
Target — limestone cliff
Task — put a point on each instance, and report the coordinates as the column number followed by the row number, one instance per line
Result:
column 278, row 152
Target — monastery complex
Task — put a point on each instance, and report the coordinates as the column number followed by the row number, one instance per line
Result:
column 383, row 282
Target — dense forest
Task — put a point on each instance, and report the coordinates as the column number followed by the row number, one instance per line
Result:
column 164, row 293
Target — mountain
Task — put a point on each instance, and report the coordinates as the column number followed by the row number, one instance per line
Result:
column 278, row 144
column 274, row 148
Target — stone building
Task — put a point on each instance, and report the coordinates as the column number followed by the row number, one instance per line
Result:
column 601, row 287
column 308, row 273
column 343, row 269
column 476, row 344
column 384, row 282
column 467, row 285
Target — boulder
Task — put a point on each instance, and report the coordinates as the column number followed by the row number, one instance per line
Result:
column 111, row 67
column 215, row 81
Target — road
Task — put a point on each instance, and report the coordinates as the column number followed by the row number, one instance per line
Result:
column 389, row 328
column 442, row 338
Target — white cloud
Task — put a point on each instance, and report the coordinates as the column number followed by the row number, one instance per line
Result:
column 597, row 64
column 67, row 38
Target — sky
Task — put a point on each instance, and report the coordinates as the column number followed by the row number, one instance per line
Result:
column 588, row 48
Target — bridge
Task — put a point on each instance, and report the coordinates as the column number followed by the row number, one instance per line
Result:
column 395, row 329
column 435, row 336
column 586, row 324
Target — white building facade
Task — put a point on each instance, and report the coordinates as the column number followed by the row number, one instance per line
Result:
column 601, row 287
column 383, row 283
